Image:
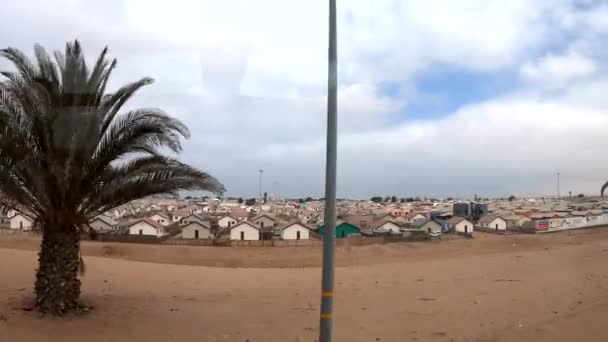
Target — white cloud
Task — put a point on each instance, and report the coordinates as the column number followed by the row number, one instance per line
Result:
column 556, row 71
column 249, row 79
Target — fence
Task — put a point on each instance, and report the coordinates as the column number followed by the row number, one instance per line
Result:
column 554, row 225
column 189, row 242
column 8, row 231
column 144, row 239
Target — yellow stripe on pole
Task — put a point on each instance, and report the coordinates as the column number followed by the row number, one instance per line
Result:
column 325, row 316
column 327, row 294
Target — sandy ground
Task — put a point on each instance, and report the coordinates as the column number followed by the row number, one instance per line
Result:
column 492, row 288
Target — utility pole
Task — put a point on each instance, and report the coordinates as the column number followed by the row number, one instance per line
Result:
column 260, row 192
column 326, row 329
column 558, row 195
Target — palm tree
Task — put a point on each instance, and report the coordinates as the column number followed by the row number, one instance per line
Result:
column 67, row 155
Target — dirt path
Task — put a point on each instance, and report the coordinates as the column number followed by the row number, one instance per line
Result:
column 543, row 288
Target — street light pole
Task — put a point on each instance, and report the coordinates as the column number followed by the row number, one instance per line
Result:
column 329, row 235
column 260, row 192
column 558, row 194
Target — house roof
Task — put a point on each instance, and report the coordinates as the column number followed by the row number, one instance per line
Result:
column 244, row 223
column 181, row 212
column 456, row 220
column 381, row 223
column 262, row 215
column 196, row 223
column 412, row 215
column 105, row 219
column 148, row 221
column 420, row 223
column 227, row 216
column 205, row 222
column 160, row 214
column 28, row 217
column 287, row 225
column 489, row 218
column 238, row 212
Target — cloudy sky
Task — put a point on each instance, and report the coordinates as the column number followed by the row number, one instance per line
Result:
column 436, row 98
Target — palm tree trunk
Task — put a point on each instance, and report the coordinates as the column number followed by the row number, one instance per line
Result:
column 57, row 285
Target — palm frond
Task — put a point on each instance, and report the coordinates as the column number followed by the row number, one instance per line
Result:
column 67, row 151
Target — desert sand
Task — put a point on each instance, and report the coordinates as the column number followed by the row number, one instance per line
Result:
column 551, row 287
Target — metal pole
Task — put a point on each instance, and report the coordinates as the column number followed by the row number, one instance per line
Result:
column 260, row 192
column 326, row 333
column 558, row 194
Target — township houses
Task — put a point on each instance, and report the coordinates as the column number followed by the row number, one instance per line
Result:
column 227, row 222
column 21, row 222
column 245, row 231
column 196, row 229
column 295, row 231
column 160, row 218
column 103, row 224
column 460, row 225
column 147, row 227
column 492, row 222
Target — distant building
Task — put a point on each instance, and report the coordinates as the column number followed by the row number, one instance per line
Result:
column 472, row 210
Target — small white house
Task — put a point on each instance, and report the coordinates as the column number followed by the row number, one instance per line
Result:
column 104, row 224
column 196, row 230
column 428, row 226
column 244, row 231
column 295, row 231
column 492, row 222
column 387, row 226
column 460, row 225
column 147, row 227
column 227, row 222
column 160, row 218
column 264, row 221
column 21, row 222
